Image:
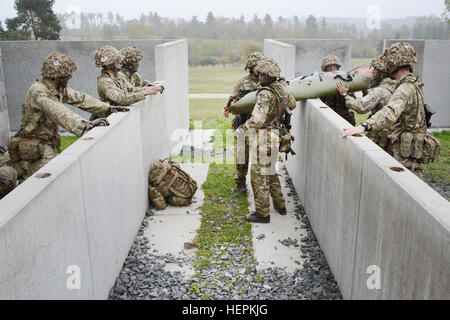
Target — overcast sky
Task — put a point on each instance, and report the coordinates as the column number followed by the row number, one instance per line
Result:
column 234, row 8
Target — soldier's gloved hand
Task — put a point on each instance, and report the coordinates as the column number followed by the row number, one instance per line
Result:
column 101, row 122
column 118, row 109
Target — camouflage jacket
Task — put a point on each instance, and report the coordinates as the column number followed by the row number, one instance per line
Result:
column 244, row 84
column 135, row 79
column 271, row 102
column 404, row 111
column 116, row 90
column 338, row 104
column 44, row 111
column 375, row 100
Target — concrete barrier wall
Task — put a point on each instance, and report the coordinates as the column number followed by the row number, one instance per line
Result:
column 434, row 70
column 4, row 119
column 310, row 53
column 88, row 211
column 364, row 214
column 22, row 61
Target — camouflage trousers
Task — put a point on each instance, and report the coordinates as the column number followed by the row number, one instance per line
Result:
column 241, row 166
column 29, row 156
column 382, row 140
column 265, row 186
column 411, row 163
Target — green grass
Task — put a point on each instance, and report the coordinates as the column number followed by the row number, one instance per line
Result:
column 222, row 222
column 215, row 79
column 439, row 171
column 210, row 113
column 67, row 141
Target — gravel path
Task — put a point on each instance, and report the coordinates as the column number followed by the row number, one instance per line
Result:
column 145, row 275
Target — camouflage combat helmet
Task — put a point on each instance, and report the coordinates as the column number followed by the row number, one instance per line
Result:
column 268, row 67
column 330, row 60
column 58, row 65
column 379, row 63
column 106, row 56
column 131, row 54
column 401, row 54
column 253, row 59
column 8, row 180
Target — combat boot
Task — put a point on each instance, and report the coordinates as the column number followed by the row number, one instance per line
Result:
column 256, row 218
column 282, row 212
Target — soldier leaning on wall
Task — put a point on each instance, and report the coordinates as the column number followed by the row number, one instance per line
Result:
column 243, row 86
column 404, row 115
column 113, row 87
column 34, row 145
column 131, row 57
column 8, row 176
column 383, row 88
column 337, row 102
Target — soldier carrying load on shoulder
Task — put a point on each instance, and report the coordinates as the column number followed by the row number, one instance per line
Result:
column 404, row 115
column 375, row 100
column 44, row 110
column 131, row 57
column 263, row 128
column 243, row 86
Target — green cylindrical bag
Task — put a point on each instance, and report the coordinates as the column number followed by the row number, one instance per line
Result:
column 317, row 85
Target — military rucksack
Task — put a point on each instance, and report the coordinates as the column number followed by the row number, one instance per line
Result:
column 168, row 183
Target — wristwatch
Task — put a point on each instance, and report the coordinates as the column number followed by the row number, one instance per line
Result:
column 366, row 126
column 344, row 94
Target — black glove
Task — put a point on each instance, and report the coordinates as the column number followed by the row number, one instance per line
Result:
column 118, row 109
column 100, row 122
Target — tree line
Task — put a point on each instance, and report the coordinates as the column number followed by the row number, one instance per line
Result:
column 36, row 20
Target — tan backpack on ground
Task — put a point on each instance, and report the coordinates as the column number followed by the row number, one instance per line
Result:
column 168, row 183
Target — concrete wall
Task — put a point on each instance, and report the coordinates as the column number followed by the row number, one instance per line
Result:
column 22, row 62
column 4, row 119
column 365, row 214
column 310, row 53
column 88, row 211
column 433, row 70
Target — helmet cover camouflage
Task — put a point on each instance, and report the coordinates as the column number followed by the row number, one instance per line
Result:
column 379, row 63
column 268, row 67
column 401, row 54
column 131, row 54
column 253, row 59
column 330, row 60
column 8, row 180
column 106, row 56
column 58, row 65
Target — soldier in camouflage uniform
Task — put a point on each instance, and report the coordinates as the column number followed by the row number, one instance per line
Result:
column 374, row 101
column 247, row 83
column 8, row 176
column 263, row 126
column 337, row 102
column 34, row 145
column 113, row 87
column 404, row 115
column 131, row 57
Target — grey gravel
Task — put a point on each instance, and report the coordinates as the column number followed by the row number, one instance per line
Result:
column 232, row 274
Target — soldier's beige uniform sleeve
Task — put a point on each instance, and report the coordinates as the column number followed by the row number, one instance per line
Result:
column 369, row 102
column 121, row 98
column 141, row 82
column 388, row 116
column 259, row 114
column 59, row 113
column 88, row 103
